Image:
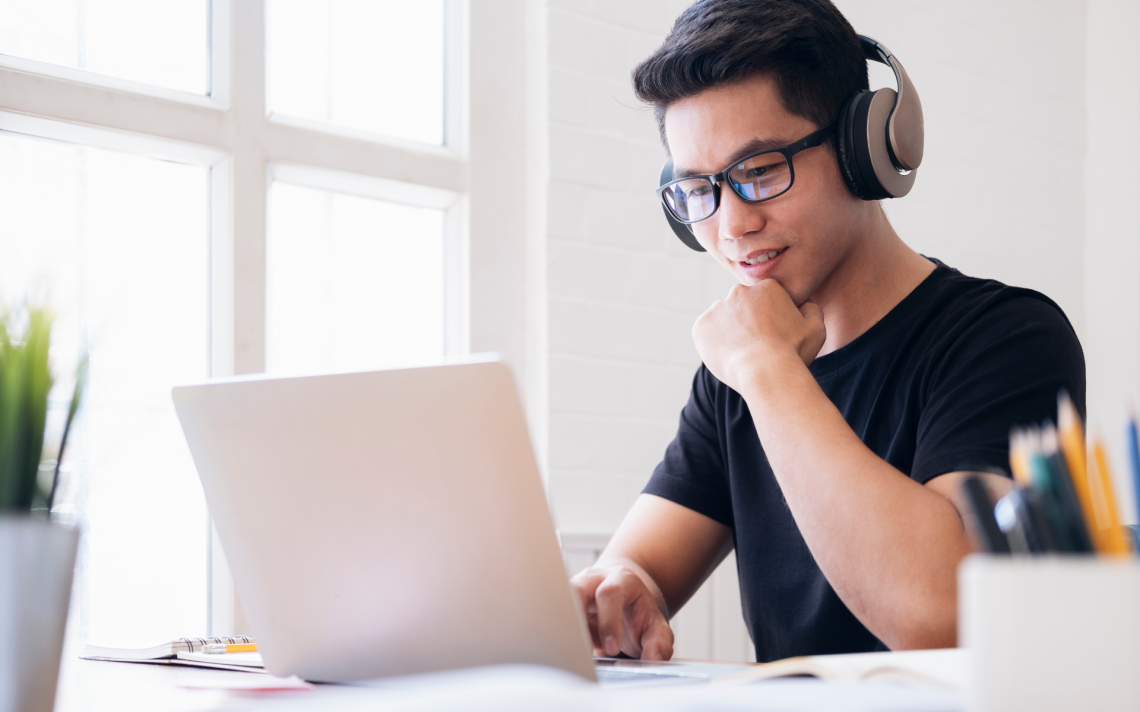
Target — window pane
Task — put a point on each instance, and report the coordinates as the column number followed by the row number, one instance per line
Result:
column 354, row 283
column 119, row 245
column 165, row 44
column 373, row 65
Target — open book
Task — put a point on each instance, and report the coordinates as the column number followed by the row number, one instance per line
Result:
column 926, row 668
column 188, row 652
column 921, row 668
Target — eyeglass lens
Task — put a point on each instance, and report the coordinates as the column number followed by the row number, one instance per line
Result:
column 761, row 177
column 754, row 179
column 691, row 200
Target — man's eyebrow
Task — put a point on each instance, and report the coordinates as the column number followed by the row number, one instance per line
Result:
column 754, row 146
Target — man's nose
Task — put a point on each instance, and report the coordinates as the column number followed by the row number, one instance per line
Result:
column 738, row 218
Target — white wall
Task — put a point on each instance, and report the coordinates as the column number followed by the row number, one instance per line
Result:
column 1112, row 225
column 1001, row 190
column 1032, row 169
column 1002, row 193
column 623, row 292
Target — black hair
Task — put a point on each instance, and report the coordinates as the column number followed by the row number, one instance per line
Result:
column 807, row 46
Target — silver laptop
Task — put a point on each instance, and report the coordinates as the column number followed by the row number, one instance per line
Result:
column 385, row 523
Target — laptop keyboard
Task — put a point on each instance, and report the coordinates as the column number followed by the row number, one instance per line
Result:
column 608, row 674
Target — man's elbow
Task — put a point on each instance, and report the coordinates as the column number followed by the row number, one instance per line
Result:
column 924, row 628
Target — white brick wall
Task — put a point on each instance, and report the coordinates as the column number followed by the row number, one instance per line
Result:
column 1001, row 189
column 1000, row 194
column 623, row 292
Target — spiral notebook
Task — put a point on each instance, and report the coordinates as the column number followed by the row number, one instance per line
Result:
column 187, row 652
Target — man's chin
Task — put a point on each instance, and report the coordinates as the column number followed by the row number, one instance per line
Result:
column 748, row 281
column 799, row 297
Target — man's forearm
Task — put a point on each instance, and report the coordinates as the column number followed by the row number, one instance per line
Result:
column 888, row 545
column 671, row 547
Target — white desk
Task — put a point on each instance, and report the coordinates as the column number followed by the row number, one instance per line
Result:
column 93, row 686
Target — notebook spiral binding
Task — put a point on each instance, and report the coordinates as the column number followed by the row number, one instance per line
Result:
column 213, row 640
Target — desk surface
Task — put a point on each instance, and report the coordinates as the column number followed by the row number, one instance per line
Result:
column 97, row 686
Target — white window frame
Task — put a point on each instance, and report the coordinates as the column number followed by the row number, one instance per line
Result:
column 489, row 246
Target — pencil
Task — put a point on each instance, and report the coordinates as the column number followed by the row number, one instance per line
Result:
column 1019, row 457
column 1050, row 472
column 1071, row 438
column 1104, row 502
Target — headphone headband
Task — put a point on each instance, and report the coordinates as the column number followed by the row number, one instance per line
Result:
column 905, row 129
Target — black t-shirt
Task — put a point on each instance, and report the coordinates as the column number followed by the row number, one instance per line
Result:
column 934, row 387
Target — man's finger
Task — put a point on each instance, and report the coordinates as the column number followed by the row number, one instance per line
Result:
column 817, row 331
column 657, row 641
column 812, row 311
column 610, row 598
column 585, row 584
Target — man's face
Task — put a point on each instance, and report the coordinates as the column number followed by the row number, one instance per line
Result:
column 811, row 228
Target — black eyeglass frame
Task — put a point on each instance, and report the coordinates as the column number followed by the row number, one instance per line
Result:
column 812, row 140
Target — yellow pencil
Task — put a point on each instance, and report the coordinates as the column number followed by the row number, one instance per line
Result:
column 1019, row 456
column 216, row 648
column 1071, row 438
column 1104, row 501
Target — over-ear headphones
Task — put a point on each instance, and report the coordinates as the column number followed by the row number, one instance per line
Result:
column 879, row 140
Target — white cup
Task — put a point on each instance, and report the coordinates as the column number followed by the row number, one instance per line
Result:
column 1050, row 633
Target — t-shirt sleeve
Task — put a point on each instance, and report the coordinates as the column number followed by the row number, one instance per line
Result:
column 693, row 472
column 1005, row 369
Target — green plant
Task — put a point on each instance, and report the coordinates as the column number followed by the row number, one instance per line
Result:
column 25, row 381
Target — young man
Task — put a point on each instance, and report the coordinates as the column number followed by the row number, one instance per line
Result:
column 849, row 384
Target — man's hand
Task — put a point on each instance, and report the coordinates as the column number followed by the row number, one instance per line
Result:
column 624, row 614
column 753, row 325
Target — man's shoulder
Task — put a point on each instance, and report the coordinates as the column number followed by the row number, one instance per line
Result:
column 963, row 304
column 985, row 328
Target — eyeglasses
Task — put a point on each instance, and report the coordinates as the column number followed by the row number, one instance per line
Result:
column 759, row 177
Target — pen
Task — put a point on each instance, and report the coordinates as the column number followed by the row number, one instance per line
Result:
column 1037, row 508
column 1134, row 457
column 216, row 648
column 1013, row 519
column 1059, row 522
column 988, row 530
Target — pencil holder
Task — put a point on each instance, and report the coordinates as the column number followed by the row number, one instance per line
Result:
column 1050, row 633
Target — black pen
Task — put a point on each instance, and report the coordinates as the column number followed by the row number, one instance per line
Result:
column 1070, row 505
column 1012, row 515
column 1037, row 510
column 1045, row 489
column 983, row 509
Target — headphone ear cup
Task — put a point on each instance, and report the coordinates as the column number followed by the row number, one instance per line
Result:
column 873, row 152
column 859, row 150
column 845, row 140
column 681, row 230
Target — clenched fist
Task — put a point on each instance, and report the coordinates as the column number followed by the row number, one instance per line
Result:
column 753, row 326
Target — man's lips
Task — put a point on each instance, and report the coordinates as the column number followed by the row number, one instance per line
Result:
column 761, row 256
column 764, row 261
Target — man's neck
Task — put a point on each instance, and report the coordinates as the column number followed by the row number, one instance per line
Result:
column 878, row 272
